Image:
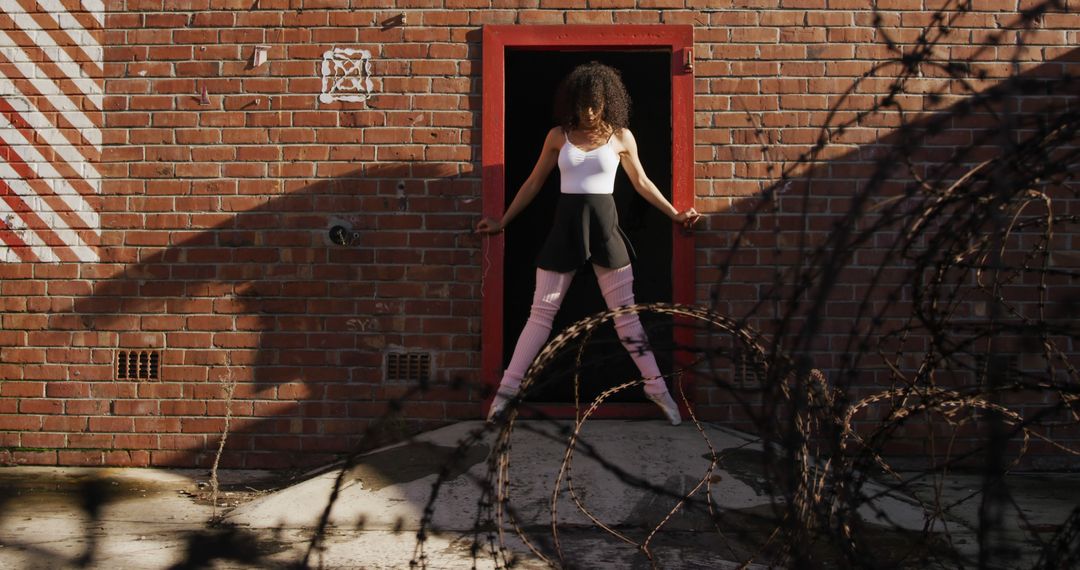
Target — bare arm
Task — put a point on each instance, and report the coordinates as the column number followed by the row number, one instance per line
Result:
column 631, row 163
column 548, row 157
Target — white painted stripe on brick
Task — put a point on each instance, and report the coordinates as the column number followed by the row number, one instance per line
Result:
column 56, row 141
column 96, row 8
column 80, row 66
column 57, row 98
column 71, row 25
column 33, row 200
column 14, row 54
column 32, row 239
column 63, row 61
column 7, row 255
column 16, row 95
column 41, row 209
column 44, row 170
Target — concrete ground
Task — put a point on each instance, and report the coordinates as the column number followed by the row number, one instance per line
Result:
column 162, row 519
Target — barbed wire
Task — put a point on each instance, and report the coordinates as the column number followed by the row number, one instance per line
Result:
column 944, row 307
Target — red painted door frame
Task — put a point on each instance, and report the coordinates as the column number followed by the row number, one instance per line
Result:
column 679, row 40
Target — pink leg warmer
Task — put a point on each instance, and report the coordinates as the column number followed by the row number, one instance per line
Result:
column 617, row 286
column 550, row 290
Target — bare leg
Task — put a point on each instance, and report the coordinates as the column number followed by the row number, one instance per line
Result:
column 617, row 286
column 547, row 298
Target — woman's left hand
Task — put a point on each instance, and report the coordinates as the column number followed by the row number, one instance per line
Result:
column 687, row 218
column 489, row 226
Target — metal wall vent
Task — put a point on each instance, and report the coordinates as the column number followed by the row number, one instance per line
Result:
column 1006, row 367
column 138, row 364
column 747, row 371
column 408, row 366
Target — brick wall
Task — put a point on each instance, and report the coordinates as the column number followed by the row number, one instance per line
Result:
column 217, row 181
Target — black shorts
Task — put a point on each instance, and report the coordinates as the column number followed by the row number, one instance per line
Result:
column 585, row 228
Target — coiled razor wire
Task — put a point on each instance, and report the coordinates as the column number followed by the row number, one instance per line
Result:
column 583, row 330
column 957, row 234
column 828, row 488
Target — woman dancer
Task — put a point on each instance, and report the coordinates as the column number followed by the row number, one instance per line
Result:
column 590, row 142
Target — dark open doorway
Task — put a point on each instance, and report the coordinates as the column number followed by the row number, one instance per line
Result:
column 530, row 82
column 657, row 62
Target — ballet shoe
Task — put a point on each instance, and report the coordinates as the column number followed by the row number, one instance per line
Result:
column 498, row 405
column 667, row 405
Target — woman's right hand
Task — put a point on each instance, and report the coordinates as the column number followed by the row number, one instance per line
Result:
column 687, row 218
column 489, row 226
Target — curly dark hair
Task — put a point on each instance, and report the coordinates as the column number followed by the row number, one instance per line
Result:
column 594, row 85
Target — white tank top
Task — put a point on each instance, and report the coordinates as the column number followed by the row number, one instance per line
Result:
column 587, row 172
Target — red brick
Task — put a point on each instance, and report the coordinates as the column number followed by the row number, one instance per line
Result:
column 63, row 355
column 179, row 459
column 185, row 442
column 42, row 440
column 203, row 425
column 90, row 440
column 22, row 389
column 122, row 458
column 36, row 458
column 80, row 458
column 20, row 423
column 129, row 441
column 67, row 423
column 23, row 355
column 136, row 408
column 157, row 425
column 182, row 408
column 41, row 406
column 106, row 424
column 87, row 407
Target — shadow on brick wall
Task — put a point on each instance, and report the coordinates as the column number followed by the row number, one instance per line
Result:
column 935, row 259
column 257, row 294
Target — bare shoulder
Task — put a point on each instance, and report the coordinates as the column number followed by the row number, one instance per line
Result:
column 625, row 140
column 554, row 138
